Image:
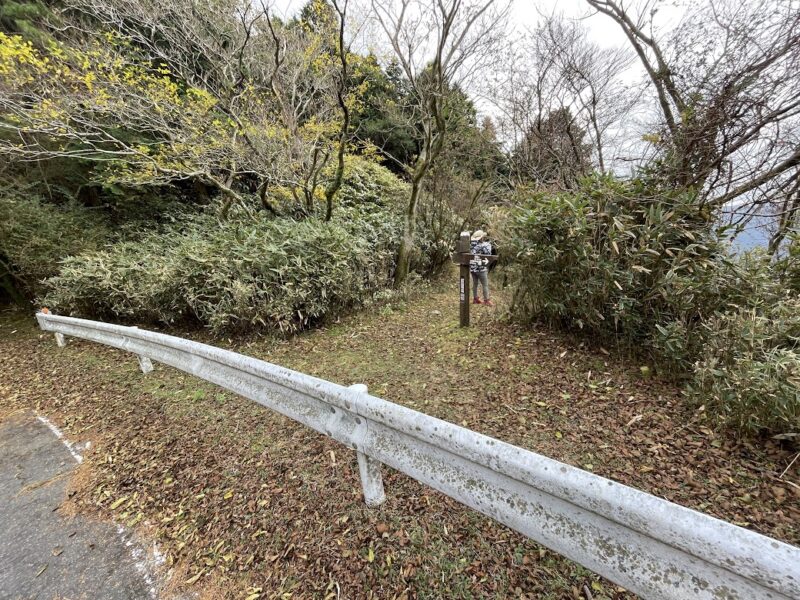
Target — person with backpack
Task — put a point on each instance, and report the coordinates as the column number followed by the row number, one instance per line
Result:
column 479, row 267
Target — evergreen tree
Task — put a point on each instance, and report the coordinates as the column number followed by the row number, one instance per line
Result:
column 26, row 18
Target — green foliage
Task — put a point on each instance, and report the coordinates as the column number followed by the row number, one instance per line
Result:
column 372, row 203
column 366, row 182
column 247, row 272
column 379, row 116
column 622, row 261
column 26, row 18
column 35, row 236
column 749, row 373
column 437, row 227
column 281, row 274
column 612, row 259
column 790, row 264
column 647, row 269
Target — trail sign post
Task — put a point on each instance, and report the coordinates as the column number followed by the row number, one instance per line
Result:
column 462, row 257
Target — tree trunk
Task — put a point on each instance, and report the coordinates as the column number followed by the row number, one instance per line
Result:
column 262, row 193
column 407, row 241
column 334, row 186
column 226, row 207
column 425, row 160
column 787, row 220
column 599, row 141
column 336, row 183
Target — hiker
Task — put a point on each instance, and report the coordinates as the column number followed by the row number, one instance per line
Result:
column 485, row 228
column 478, row 266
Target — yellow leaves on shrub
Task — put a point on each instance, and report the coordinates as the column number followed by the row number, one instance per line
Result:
column 57, row 87
column 20, row 62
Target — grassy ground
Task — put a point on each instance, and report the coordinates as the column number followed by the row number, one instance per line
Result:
column 248, row 504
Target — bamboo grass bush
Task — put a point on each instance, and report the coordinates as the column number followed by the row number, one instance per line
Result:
column 647, row 269
column 36, row 235
column 250, row 271
column 749, row 374
column 281, row 274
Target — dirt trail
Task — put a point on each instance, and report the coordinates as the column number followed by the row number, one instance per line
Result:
column 247, row 503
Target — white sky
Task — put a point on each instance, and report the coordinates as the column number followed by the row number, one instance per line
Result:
column 525, row 13
column 523, row 16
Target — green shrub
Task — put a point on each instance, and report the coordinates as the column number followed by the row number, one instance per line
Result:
column 749, row 373
column 270, row 273
column 367, row 182
column 621, row 262
column 647, row 269
column 35, row 236
column 365, row 185
column 264, row 272
column 380, row 199
column 789, row 265
column 372, row 202
column 437, row 229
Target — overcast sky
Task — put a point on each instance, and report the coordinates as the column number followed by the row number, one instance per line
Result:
column 525, row 13
column 523, row 16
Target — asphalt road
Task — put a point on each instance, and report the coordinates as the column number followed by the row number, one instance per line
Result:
column 45, row 555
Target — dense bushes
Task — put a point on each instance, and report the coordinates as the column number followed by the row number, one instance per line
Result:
column 790, row 264
column 749, row 372
column 615, row 260
column 278, row 273
column 366, row 182
column 646, row 268
column 35, row 236
column 250, row 271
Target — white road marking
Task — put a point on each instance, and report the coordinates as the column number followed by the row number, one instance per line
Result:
column 57, row 432
column 145, row 563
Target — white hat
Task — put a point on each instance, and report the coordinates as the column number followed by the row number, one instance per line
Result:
column 478, row 235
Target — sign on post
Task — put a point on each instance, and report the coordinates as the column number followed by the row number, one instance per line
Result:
column 462, row 257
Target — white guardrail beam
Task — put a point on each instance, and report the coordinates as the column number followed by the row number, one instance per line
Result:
column 648, row 545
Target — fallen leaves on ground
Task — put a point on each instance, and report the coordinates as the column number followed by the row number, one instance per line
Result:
column 252, row 505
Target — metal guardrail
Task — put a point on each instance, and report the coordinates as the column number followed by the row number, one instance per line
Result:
column 650, row 546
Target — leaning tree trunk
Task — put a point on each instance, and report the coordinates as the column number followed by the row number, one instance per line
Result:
column 407, row 241
column 434, row 141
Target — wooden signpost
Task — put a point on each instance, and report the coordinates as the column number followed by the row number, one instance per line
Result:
column 462, row 258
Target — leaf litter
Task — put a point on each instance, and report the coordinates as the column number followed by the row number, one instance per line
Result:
column 248, row 504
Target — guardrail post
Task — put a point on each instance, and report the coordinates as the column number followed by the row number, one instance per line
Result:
column 60, row 341
column 145, row 364
column 369, row 469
